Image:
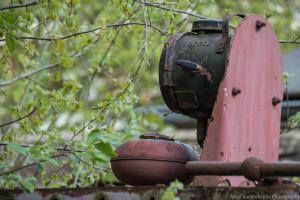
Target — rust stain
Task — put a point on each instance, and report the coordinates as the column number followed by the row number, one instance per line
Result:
column 204, row 72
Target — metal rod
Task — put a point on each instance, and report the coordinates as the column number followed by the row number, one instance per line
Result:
column 280, row 169
column 213, row 168
column 252, row 168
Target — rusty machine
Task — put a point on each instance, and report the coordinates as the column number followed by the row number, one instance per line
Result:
column 232, row 84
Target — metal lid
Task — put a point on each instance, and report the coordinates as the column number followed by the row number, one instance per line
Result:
column 156, row 136
column 207, row 24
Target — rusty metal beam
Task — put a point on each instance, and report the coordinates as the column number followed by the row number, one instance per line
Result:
column 252, row 168
column 154, row 193
column 215, row 168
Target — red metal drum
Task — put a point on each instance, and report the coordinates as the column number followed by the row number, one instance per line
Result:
column 247, row 123
column 152, row 159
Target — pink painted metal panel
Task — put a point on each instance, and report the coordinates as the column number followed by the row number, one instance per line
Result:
column 247, row 124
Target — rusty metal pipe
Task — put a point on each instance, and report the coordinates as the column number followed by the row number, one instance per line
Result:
column 280, row 169
column 252, row 168
column 213, row 168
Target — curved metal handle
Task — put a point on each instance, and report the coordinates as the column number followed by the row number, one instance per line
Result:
column 187, row 66
column 225, row 31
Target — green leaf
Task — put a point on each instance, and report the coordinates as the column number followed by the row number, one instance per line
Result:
column 67, row 61
column 168, row 195
column 97, row 156
column 24, row 29
column 94, row 136
column 10, row 42
column 35, row 151
column 14, row 177
column 28, row 185
column 171, row 191
column 18, row 148
column 40, row 167
column 11, row 18
column 106, row 148
column 52, row 161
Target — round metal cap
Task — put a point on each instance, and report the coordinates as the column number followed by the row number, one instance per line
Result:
column 156, row 136
column 207, row 24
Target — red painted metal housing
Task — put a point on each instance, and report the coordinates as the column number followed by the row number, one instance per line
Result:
column 247, row 124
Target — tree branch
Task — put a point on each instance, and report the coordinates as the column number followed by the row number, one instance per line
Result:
column 13, row 6
column 19, row 119
column 30, row 165
column 65, row 148
column 9, row 82
column 26, row 75
column 156, row 5
column 87, row 31
column 289, row 41
column 105, row 106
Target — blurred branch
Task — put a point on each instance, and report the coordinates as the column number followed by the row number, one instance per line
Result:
column 156, row 5
column 23, row 76
column 112, row 42
column 132, row 78
column 14, row 6
column 289, row 41
column 87, row 31
column 89, row 164
column 66, row 149
column 190, row 7
column 30, row 165
column 26, row 75
column 20, row 118
column 103, row 108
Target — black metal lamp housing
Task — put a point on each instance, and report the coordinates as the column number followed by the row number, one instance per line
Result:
column 192, row 65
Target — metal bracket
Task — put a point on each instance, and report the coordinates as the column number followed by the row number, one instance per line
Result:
column 225, row 31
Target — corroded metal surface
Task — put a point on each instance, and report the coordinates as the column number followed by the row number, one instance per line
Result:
column 252, row 168
column 247, row 124
column 190, row 70
column 154, row 193
column 152, row 159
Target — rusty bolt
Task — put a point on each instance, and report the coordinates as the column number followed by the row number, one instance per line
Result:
column 250, row 168
column 235, row 91
column 259, row 25
column 275, row 101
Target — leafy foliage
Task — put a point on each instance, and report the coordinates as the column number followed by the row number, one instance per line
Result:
column 172, row 190
column 72, row 73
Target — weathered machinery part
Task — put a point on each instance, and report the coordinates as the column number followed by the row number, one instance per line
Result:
column 153, row 159
column 155, row 193
column 191, row 68
column 246, row 114
column 252, row 168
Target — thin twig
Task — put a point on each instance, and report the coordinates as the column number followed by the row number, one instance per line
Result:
column 66, row 149
column 112, row 42
column 62, row 167
column 89, row 164
column 87, row 31
column 30, row 165
column 133, row 77
column 14, row 6
column 105, row 107
column 190, row 7
column 23, row 76
column 82, row 128
column 289, row 41
column 173, row 10
column 156, row 5
column 20, row 118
